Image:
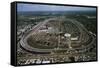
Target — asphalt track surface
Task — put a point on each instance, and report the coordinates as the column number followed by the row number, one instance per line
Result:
column 27, row 47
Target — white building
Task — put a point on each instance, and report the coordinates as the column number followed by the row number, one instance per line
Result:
column 74, row 38
column 68, row 39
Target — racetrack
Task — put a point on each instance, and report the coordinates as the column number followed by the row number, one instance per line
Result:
column 83, row 32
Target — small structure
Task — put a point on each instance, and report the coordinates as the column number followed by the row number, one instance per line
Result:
column 67, row 35
column 74, row 38
column 68, row 39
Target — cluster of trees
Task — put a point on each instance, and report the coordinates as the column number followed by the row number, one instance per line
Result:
column 89, row 23
column 24, row 20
